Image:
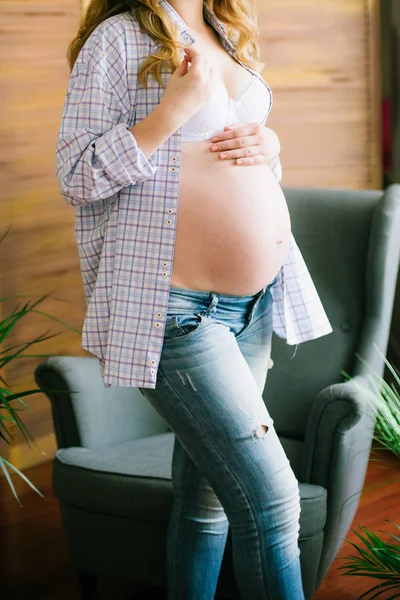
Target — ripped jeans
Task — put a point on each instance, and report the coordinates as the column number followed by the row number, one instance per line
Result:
column 229, row 468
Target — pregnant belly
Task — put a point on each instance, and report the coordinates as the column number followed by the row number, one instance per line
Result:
column 233, row 227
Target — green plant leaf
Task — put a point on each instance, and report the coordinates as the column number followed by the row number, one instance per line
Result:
column 7, row 476
column 5, row 233
column 382, row 587
column 58, row 321
column 12, row 353
column 10, row 357
column 23, row 477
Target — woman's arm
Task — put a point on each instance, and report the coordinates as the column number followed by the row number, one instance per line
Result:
column 97, row 154
column 152, row 131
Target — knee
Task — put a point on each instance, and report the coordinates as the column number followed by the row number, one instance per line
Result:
column 287, row 495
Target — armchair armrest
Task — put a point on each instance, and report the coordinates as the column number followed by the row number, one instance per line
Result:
column 336, row 452
column 87, row 414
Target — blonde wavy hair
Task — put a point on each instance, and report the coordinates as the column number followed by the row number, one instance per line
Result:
column 238, row 16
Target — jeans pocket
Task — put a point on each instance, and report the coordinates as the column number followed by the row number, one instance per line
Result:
column 181, row 326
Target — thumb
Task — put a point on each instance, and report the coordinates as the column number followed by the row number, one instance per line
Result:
column 182, row 68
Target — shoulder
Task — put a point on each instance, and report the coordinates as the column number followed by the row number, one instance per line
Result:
column 113, row 41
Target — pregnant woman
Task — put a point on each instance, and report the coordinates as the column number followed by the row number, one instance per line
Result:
column 183, row 234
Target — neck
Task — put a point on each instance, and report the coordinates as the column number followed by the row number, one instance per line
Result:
column 191, row 12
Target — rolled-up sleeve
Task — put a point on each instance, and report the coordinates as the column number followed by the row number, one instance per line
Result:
column 97, row 154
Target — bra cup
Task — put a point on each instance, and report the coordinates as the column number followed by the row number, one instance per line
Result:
column 251, row 105
column 211, row 117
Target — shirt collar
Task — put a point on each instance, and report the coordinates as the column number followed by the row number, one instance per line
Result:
column 184, row 30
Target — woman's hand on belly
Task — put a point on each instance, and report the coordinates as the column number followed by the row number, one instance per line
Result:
column 247, row 143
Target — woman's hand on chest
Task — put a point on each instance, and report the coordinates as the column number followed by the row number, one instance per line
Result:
column 247, row 144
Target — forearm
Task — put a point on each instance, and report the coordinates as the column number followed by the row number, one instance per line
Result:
column 153, row 130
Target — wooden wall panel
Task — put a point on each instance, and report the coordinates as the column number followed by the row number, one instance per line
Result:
column 317, row 56
column 321, row 62
column 39, row 254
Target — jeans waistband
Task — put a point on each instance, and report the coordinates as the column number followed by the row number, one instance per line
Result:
column 181, row 299
column 201, row 294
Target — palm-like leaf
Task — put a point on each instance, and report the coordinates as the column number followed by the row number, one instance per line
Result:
column 380, row 560
column 384, row 400
column 9, row 414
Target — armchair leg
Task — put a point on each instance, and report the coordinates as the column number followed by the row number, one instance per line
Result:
column 88, row 585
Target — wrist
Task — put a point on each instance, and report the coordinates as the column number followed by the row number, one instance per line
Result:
column 169, row 116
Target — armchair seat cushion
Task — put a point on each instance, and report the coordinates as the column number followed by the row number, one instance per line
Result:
column 133, row 480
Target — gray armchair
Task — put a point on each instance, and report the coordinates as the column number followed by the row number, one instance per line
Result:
column 112, row 471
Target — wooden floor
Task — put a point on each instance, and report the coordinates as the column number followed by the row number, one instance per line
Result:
column 35, row 562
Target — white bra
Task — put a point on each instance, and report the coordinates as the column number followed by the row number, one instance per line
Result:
column 252, row 104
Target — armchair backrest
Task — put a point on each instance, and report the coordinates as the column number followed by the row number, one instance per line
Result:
column 94, row 416
column 350, row 241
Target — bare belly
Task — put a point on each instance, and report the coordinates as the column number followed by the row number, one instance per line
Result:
column 230, row 221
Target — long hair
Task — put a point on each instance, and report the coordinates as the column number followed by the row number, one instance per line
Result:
column 238, row 16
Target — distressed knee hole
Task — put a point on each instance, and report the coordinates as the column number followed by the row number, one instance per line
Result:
column 261, row 430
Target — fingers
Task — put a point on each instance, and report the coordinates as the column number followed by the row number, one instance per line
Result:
column 239, row 131
column 183, row 68
column 201, row 66
column 244, row 152
column 196, row 59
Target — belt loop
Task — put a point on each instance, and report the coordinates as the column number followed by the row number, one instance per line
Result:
column 256, row 301
column 212, row 305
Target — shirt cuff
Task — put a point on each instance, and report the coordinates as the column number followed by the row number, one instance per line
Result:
column 121, row 158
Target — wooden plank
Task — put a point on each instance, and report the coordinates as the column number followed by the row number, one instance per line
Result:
column 318, row 60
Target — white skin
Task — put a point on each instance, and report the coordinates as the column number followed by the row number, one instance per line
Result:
column 254, row 248
column 189, row 89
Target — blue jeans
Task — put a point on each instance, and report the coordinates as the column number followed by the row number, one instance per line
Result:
column 229, row 467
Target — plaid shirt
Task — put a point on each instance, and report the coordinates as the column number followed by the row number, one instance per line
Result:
column 126, row 207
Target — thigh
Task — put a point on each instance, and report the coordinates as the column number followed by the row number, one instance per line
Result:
column 225, row 342
column 254, row 341
column 208, row 396
column 202, row 353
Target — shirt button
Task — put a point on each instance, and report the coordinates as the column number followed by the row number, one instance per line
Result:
column 165, row 274
column 169, row 221
column 186, row 37
column 159, row 314
column 165, row 264
column 153, row 362
column 153, row 371
column 173, row 169
column 174, row 158
column 170, row 211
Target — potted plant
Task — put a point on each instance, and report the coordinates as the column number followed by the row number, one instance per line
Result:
column 9, row 413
